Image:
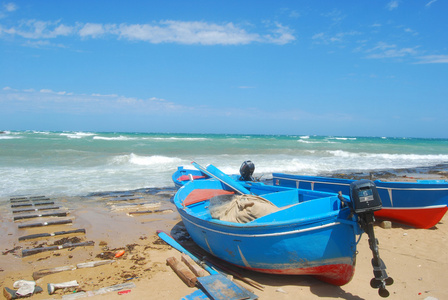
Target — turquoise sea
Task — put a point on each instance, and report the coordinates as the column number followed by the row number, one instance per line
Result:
column 78, row 163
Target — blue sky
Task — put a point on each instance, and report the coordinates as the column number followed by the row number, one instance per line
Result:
column 360, row 68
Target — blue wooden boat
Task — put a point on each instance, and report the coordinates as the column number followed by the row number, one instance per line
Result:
column 183, row 175
column 420, row 204
column 311, row 233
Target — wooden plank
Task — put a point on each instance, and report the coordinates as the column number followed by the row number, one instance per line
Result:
column 194, row 267
column 182, row 271
column 28, row 252
column 34, row 209
column 41, row 224
column 61, row 214
column 39, row 235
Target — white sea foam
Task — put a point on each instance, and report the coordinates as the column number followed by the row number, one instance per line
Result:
column 77, row 135
column 179, row 139
column 8, row 137
column 115, row 138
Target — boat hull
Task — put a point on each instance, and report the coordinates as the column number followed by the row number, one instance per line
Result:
column 420, row 205
column 322, row 245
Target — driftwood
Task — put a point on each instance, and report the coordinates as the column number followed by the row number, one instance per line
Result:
column 104, row 290
column 41, row 224
column 39, row 235
column 182, row 271
column 95, row 263
column 28, row 252
column 141, row 212
column 45, row 272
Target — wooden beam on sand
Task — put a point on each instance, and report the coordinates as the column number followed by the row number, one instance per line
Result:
column 49, row 223
column 61, row 214
column 28, row 252
column 39, row 235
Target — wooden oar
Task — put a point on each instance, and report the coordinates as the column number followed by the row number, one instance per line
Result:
column 61, row 214
column 28, row 252
column 39, row 235
column 41, row 224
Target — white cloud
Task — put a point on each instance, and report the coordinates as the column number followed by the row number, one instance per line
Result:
column 187, row 33
column 10, row 7
column 433, row 59
column 333, row 38
column 169, row 31
column 430, row 3
column 92, row 30
column 384, row 50
column 34, row 29
column 64, row 102
column 392, row 5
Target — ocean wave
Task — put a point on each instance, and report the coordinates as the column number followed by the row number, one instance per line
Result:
column 8, row 137
column 342, row 138
column 154, row 160
column 178, row 139
column 388, row 156
column 115, row 138
column 77, row 135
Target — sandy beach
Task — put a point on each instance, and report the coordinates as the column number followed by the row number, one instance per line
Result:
column 416, row 259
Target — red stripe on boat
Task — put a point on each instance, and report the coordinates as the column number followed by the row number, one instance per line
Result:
column 336, row 274
column 420, row 217
column 201, row 195
column 187, row 177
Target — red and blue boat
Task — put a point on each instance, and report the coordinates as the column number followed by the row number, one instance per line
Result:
column 420, row 204
column 183, row 175
column 311, row 232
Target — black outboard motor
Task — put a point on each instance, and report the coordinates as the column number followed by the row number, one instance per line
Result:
column 246, row 171
column 365, row 200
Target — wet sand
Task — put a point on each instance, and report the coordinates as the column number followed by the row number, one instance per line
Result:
column 416, row 258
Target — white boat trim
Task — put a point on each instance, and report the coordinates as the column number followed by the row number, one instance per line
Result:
column 264, row 234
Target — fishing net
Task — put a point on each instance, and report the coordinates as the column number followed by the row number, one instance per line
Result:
column 240, row 208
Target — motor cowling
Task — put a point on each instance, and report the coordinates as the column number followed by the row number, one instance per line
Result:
column 364, row 196
column 247, row 170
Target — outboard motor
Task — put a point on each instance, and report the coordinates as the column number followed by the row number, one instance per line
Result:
column 246, row 171
column 365, row 200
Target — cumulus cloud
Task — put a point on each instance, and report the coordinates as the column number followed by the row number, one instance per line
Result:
column 169, row 31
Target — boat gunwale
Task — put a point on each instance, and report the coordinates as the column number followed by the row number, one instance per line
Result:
column 376, row 181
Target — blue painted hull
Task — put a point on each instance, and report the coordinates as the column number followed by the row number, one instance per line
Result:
column 418, row 204
column 183, row 175
column 310, row 235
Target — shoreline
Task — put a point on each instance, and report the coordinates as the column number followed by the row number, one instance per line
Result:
column 415, row 258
